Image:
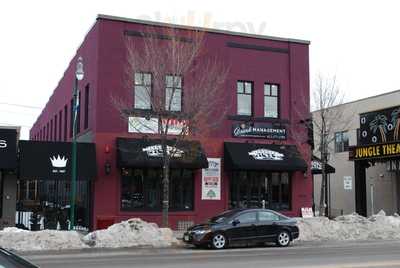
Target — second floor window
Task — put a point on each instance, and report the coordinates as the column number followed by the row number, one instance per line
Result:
column 142, row 91
column 244, row 98
column 341, row 141
column 271, row 101
column 173, row 93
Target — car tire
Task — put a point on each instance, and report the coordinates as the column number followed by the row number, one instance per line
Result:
column 283, row 239
column 219, row 241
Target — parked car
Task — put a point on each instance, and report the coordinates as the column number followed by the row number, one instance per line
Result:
column 11, row 260
column 243, row 226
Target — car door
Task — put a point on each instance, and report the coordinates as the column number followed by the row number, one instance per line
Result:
column 243, row 227
column 267, row 226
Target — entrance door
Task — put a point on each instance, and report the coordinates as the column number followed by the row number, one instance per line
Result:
column 248, row 189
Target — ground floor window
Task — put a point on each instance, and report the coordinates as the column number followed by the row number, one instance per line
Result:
column 50, row 199
column 141, row 189
column 250, row 188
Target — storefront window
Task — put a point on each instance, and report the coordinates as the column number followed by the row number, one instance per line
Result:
column 250, row 188
column 141, row 189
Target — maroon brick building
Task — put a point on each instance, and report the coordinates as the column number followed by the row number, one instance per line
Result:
column 259, row 158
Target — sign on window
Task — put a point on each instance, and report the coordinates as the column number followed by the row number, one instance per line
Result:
column 211, row 180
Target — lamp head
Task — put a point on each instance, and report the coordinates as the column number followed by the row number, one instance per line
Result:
column 79, row 74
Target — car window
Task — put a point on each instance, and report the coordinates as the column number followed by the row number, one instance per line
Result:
column 267, row 216
column 247, row 217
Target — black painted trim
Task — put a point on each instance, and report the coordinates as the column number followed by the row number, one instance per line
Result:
column 257, row 47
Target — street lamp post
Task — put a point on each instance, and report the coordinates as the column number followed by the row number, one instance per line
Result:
column 78, row 76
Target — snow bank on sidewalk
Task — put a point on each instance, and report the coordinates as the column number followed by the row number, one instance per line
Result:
column 22, row 240
column 350, row 227
column 130, row 233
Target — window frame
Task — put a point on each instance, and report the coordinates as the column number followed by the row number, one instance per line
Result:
column 278, row 97
column 244, row 93
column 165, row 92
column 341, row 146
column 142, row 73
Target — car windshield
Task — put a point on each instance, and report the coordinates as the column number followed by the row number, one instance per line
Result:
column 222, row 217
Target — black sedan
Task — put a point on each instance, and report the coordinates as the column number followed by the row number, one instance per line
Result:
column 243, row 226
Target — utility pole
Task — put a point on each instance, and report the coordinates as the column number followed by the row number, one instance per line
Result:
column 79, row 74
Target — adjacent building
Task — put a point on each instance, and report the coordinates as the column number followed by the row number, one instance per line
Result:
column 367, row 173
column 8, row 174
column 259, row 155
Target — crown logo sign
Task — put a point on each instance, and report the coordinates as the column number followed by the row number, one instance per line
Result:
column 59, row 162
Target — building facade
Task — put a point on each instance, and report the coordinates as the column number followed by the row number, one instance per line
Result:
column 369, row 184
column 253, row 158
column 8, row 174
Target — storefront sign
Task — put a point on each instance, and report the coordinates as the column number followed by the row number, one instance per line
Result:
column 8, row 148
column 381, row 126
column 150, row 126
column 265, row 154
column 347, row 183
column 156, row 151
column 52, row 160
column 258, row 130
column 384, row 150
column 211, row 180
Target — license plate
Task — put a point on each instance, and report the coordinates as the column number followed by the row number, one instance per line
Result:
column 186, row 237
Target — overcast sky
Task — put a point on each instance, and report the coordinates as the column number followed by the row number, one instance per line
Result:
column 358, row 41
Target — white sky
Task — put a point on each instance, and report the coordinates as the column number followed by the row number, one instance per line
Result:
column 358, row 41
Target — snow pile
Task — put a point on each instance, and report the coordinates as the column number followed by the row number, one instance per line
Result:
column 350, row 227
column 22, row 240
column 131, row 233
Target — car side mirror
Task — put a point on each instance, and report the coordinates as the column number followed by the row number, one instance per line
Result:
column 235, row 222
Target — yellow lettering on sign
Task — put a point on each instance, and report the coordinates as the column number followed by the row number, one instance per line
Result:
column 398, row 148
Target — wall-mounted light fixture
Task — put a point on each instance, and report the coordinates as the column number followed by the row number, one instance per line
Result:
column 107, row 167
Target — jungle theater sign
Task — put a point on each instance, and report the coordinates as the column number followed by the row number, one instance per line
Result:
column 379, row 135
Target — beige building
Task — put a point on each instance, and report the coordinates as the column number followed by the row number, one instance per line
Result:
column 351, row 189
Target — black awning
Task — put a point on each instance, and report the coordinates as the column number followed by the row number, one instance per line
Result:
column 52, row 160
column 273, row 157
column 8, row 148
column 316, row 166
column 147, row 153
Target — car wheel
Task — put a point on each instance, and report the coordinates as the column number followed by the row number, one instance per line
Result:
column 219, row 241
column 283, row 239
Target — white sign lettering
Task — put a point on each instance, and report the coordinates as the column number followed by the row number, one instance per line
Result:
column 265, row 154
column 3, row 144
column 156, row 151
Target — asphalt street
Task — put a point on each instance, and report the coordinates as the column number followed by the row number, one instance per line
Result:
column 338, row 254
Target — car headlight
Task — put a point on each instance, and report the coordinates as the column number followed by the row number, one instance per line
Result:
column 202, row 231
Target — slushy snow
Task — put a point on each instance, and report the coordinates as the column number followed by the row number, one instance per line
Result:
column 350, row 227
column 130, row 233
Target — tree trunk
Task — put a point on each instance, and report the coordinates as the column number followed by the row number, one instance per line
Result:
column 323, row 191
column 165, row 183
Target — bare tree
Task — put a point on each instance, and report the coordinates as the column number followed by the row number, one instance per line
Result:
column 328, row 117
column 178, row 91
